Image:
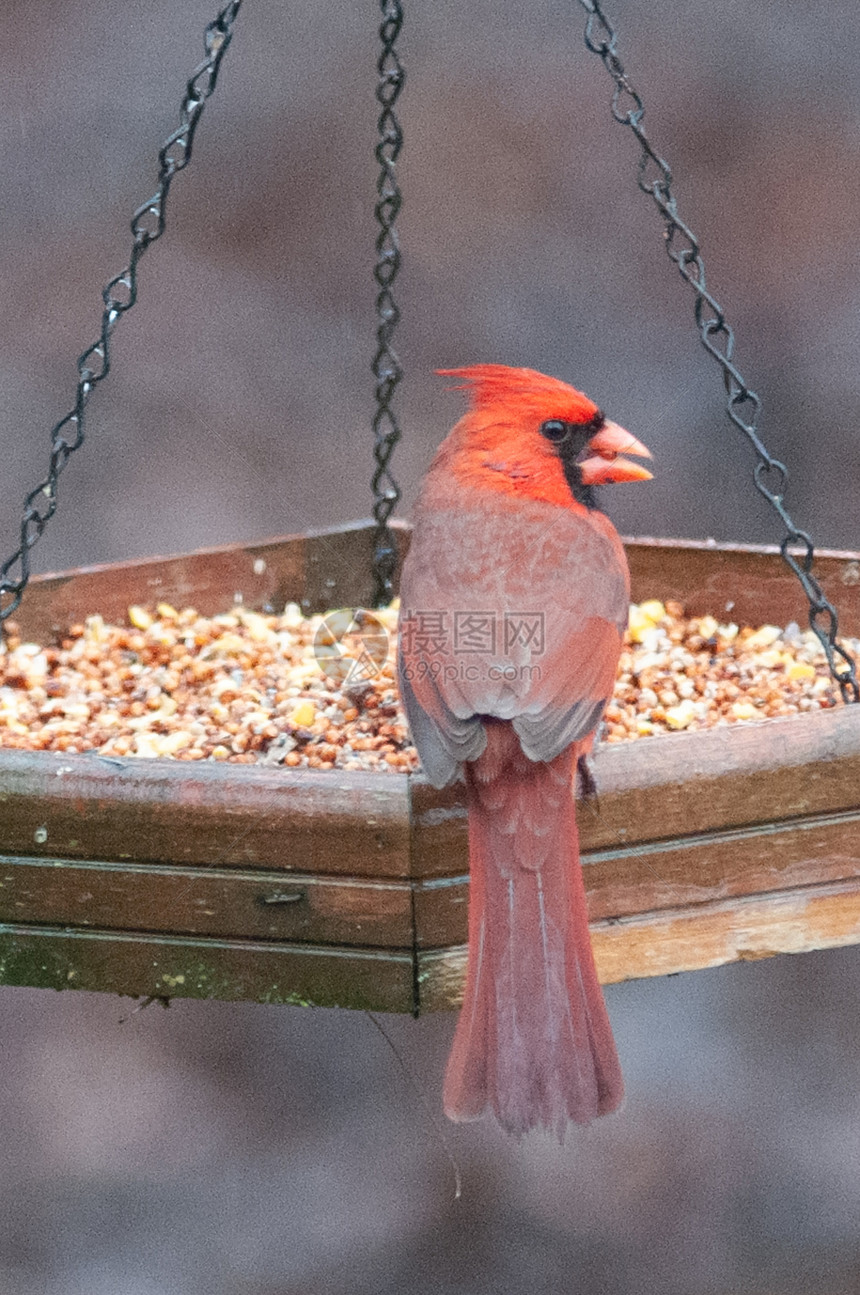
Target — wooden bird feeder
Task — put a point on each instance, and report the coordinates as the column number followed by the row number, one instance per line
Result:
column 169, row 879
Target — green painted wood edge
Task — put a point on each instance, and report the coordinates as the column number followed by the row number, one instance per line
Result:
column 163, row 966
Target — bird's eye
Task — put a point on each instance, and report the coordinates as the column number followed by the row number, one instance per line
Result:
column 555, row 430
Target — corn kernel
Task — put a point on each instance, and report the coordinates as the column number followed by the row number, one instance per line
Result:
column 258, row 627
column 139, row 617
column 762, row 638
column 652, row 609
column 641, row 622
column 304, row 714
column 173, row 742
column 679, row 717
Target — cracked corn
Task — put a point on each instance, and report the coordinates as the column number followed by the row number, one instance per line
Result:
column 247, row 688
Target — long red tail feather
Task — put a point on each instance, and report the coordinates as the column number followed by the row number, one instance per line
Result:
column 533, row 1042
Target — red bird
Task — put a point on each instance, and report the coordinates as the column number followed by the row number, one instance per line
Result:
column 514, row 599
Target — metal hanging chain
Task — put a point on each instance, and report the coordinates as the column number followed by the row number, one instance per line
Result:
column 742, row 404
column 119, row 296
column 386, row 365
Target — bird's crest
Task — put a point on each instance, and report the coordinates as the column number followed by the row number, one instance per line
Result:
column 491, row 385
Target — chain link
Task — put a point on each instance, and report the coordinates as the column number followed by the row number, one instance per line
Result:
column 386, row 366
column 93, row 366
column 742, row 404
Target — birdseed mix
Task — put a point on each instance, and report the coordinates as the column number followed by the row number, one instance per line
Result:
column 247, row 688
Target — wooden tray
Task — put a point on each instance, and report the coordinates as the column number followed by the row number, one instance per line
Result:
column 198, row 880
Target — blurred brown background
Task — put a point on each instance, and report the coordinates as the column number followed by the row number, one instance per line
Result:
column 219, row 1149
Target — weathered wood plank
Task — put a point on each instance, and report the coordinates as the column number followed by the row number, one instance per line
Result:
column 687, row 939
column 242, row 904
column 679, row 785
column 725, row 777
column 319, row 569
column 87, row 807
column 741, row 929
column 689, row 870
column 176, row 967
column 210, row 580
column 747, row 861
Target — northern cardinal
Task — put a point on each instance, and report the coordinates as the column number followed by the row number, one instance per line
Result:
column 514, row 599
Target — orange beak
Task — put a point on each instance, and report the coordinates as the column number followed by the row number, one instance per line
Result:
column 604, row 462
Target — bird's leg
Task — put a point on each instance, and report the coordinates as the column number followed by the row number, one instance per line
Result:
column 586, row 782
